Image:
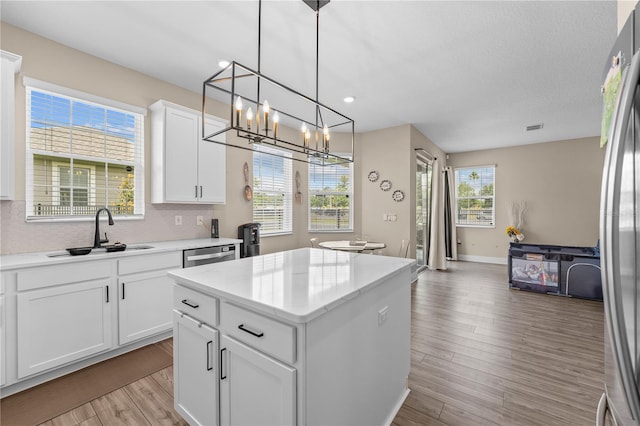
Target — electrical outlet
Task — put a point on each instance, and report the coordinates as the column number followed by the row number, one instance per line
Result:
column 199, row 220
column 178, row 220
column 382, row 315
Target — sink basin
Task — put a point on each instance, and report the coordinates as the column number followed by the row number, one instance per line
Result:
column 107, row 249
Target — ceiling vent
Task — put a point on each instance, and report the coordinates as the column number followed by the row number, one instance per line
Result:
column 534, row 127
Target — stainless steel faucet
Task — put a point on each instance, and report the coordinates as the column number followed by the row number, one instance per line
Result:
column 97, row 242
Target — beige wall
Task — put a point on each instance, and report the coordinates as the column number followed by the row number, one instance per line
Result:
column 48, row 61
column 559, row 181
column 625, row 8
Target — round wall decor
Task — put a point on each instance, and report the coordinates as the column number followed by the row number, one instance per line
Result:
column 397, row 195
column 373, row 176
column 385, row 185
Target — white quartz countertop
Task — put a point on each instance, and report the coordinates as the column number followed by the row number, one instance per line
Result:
column 297, row 285
column 24, row 260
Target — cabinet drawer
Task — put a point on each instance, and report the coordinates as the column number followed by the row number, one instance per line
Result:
column 150, row 262
column 263, row 333
column 197, row 305
column 48, row 276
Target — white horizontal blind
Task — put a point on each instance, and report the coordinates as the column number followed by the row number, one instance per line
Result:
column 330, row 196
column 475, row 196
column 272, row 190
column 82, row 156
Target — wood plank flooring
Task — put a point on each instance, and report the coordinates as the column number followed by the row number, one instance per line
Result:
column 481, row 355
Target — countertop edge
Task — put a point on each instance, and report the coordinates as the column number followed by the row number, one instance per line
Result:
column 282, row 313
column 10, row 262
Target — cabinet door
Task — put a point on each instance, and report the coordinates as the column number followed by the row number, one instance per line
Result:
column 195, row 370
column 3, row 344
column 61, row 324
column 181, row 151
column 254, row 388
column 144, row 305
column 212, row 165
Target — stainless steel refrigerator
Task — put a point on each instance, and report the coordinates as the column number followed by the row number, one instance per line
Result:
column 620, row 231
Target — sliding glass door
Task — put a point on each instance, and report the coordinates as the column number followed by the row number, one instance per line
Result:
column 424, row 171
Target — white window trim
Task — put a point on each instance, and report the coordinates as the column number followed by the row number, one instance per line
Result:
column 139, row 173
column 493, row 213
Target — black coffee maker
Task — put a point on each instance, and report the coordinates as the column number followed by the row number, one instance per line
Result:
column 249, row 233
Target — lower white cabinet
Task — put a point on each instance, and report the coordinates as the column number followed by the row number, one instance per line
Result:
column 144, row 305
column 60, row 324
column 145, row 297
column 255, row 389
column 195, row 357
column 3, row 342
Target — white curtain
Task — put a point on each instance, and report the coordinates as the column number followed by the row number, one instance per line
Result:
column 443, row 230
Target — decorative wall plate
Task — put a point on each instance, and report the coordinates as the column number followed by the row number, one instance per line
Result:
column 373, row 176
column 385, row 185
column 397, row 195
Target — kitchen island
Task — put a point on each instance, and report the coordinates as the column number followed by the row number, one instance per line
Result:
column 307, row 336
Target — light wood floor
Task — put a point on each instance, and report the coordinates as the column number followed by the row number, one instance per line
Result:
column 481, row 354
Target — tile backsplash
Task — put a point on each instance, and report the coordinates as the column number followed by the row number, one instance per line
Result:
column 18, row 236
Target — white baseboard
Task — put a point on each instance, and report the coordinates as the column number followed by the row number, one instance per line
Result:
column 483, row 259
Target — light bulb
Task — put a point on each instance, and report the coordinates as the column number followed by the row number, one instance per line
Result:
column 238, row 110
column 249, row 118
column 276, row 120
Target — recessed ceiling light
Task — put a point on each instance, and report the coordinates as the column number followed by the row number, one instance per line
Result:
column 349, row 99
column 223, row 64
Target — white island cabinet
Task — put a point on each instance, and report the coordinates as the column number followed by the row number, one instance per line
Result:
column 307, row 336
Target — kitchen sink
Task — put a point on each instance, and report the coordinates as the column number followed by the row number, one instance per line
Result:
column 100, row 251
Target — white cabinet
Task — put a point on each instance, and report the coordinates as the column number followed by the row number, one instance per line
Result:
column 255, row 389
column 3, row 344
column 9, row 67
column 195, row 349
column 60, row 324
column 145, row 295
column 184, row 168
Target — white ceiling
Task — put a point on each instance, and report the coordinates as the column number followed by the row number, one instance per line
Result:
column 469, row 75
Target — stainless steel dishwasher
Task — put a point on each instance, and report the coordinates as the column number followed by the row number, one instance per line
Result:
column 206, row 255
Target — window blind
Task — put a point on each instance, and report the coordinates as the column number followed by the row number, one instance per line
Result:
column 272, row 191
column 330, row 196
column 81, row 156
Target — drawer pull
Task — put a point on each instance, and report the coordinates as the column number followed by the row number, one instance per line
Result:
column 223, row 375
column 191, row 305
column 253, row 333
column 209, row 366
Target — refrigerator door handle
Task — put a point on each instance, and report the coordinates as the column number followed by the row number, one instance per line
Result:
column 602, row 410
column 610, row 209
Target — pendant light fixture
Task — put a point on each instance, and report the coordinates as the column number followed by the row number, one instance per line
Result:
column 260, row 107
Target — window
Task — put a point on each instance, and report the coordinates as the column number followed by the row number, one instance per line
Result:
column 272, row 191
column 475, row 196
column 330, row 195
column 83, row 153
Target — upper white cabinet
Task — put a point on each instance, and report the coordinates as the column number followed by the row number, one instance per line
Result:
column 184, row 168
column 9, row 67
